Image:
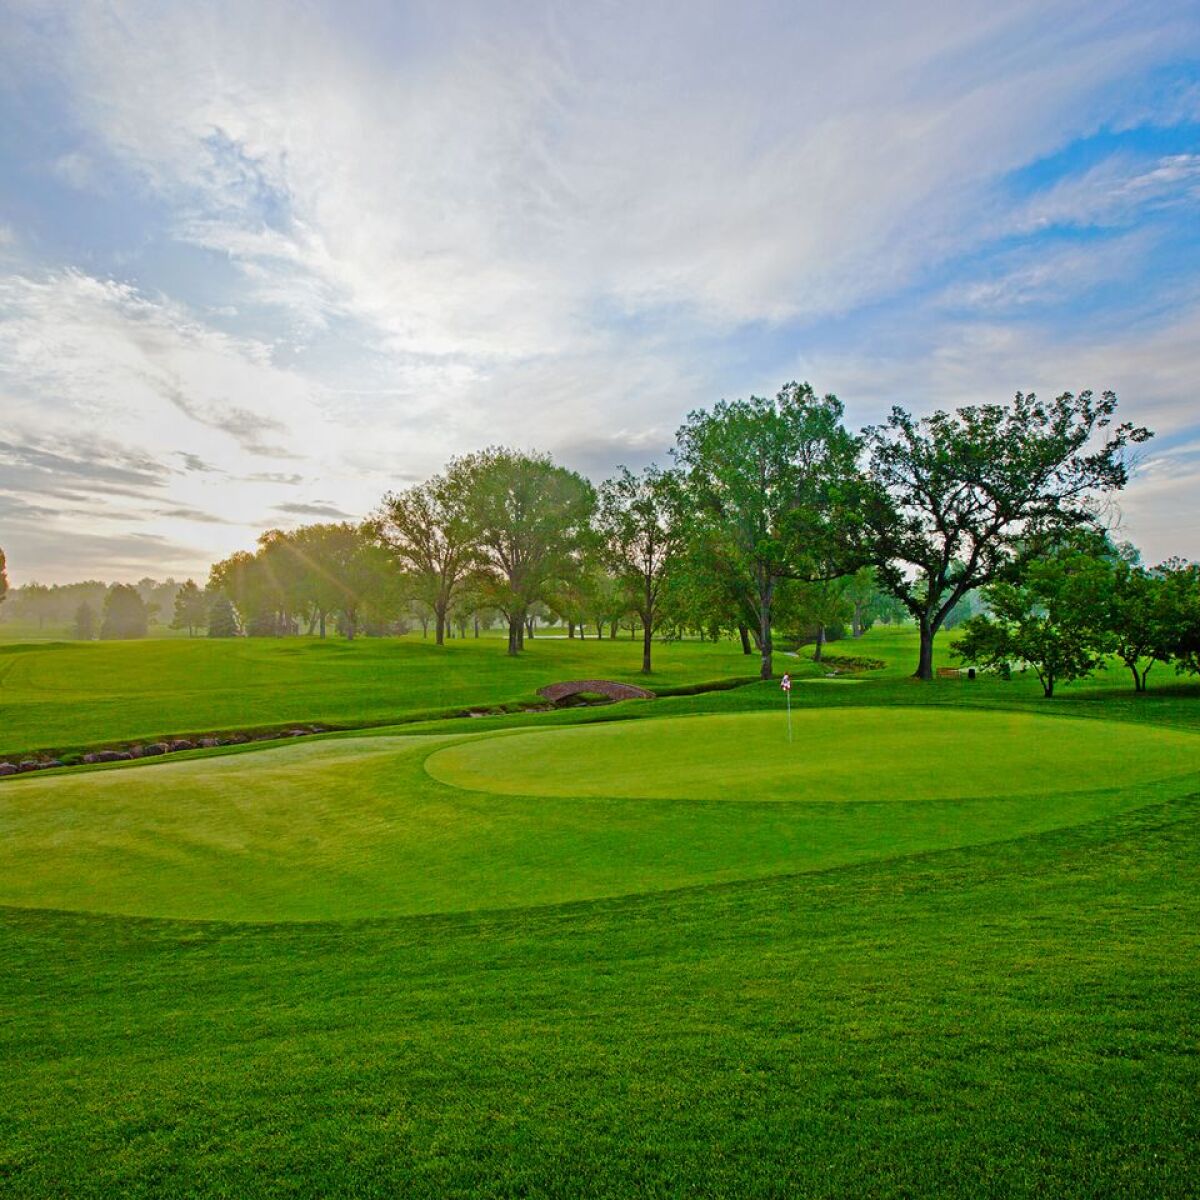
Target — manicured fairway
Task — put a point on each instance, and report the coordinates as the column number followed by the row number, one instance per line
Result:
column 383, row 826
column 1015, row 1020
column 835, row 757
column 943, row 944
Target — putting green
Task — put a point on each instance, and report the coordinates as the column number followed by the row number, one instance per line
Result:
column 359, row 826
column 835, row 756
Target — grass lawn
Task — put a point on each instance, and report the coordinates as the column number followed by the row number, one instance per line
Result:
column 62, row 695
column 942, row 944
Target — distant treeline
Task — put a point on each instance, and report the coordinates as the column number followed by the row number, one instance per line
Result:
column 772, row 519
column 84, row 605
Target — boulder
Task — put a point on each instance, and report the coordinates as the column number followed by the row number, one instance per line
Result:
column 102, row 756
column 209, row 742
column 182, row 744
column 29, row 764
column 7, row 768
column 155, row 748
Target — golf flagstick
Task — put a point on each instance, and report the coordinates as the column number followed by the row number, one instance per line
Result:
column 786, row 684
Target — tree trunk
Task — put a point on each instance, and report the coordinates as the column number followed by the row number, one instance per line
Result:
column 647, row 626
column 766, row 670
column 321, row 621
column 817, row 653
column 744, row 633
column 612, row 630
column 925, row 662
column 571, row 630
column 529, row 624
column 439, row 631
column 856, row 620
column 476, row 625
column 516, row 626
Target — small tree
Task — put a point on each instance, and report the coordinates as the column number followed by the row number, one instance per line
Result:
column 427, row 531
column 125, row 614
column 85, row 622
column 222, row 618
column 191, row 608
column 965, row 499
column 1054, row 619
column 641, row 534
column 1147, row 611
column 3, row 576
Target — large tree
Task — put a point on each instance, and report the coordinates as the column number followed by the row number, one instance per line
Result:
column 966, row 498
column 641, row 533
column 427, row 531
column 773, row 490
column 3, row 577
column 529, row 519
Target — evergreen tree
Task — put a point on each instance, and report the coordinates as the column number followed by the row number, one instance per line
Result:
column 85, row 622
column 191, row 608
column 222, row 618
column 125, row 614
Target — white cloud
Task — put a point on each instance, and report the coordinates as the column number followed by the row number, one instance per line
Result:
column 1046, row 275
column 481, row 197
column 539, row 225
column 1115, row 192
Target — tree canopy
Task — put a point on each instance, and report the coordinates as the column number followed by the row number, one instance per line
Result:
column 530, row 519
column 125, row 613
column 428, row 532
column 772, row 488
column 641, row 531
column 963, row 498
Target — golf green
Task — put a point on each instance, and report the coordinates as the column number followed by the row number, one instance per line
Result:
column 385, row 826
column 834, row 756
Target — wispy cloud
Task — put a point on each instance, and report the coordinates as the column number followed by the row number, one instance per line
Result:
column 317, row 508
column 366, row 239
column 1116, row 192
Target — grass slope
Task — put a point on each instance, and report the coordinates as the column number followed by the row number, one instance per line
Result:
column 372, row 826
column 976, row 996
column 69, row 694
column 1014, row 1020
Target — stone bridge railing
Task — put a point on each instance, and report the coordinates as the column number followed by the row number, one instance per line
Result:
column 556, row 693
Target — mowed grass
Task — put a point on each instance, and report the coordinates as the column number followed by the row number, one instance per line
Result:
column 857, row 754
column 69, row 694
column 1010, row 1020
column 408, row 987
column 376, row 826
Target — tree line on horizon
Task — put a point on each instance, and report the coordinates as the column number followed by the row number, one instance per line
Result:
column 771, row 518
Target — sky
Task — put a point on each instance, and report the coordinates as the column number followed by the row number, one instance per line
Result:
column 262, row 262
